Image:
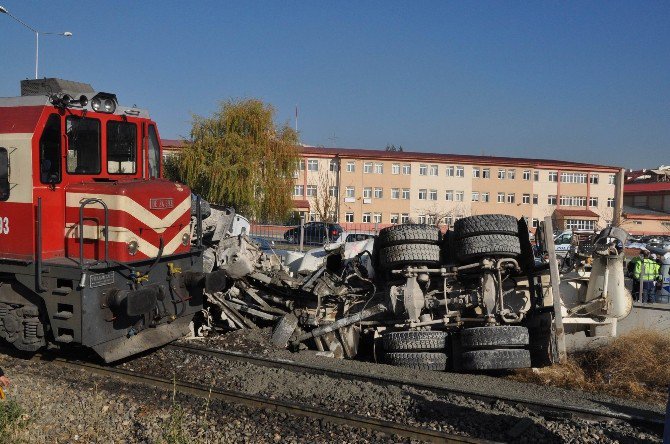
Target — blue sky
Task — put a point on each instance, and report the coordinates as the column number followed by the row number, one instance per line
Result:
column 581, row 81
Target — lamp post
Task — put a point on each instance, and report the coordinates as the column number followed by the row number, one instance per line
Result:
column 3, row 10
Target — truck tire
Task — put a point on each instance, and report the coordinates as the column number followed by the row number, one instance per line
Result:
column 418, row 361
column 409, row 234
column 494, row 337
column 415, row 340
column 397, row 256
column 500, row 359
column 487, row 245
column 486, row 224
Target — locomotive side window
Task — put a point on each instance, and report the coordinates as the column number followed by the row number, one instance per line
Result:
column 83, row 154
column 154, row 153
column 121, row 147
column 4, row 174
column 50, row 157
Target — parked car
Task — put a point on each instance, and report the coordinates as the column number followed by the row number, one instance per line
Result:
column 315, row 233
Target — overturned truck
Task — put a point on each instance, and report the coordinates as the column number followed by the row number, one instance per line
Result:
column 474, row 298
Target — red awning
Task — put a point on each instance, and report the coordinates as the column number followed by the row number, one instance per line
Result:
column 301, row 204
column 565, row 212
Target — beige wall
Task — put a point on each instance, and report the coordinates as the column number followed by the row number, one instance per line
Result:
column 415, row 207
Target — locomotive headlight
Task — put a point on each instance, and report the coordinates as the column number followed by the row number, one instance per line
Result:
column 109, row 105
column 96, row 104
column 133, row 246
column 186, row 239
column 104, row 103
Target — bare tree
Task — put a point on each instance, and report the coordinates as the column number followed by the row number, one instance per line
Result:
column 325, row 201
column 439, row 215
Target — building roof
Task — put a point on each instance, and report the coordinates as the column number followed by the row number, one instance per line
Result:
column 410, row 156
column 452, row 158
column 565, row 212
column 301, row 204
column 631, row 212
column 647, row 187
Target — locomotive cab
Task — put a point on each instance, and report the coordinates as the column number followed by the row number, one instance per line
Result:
column 95, row 247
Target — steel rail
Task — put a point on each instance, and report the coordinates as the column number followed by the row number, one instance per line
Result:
column 549, row 407
column 282, row 406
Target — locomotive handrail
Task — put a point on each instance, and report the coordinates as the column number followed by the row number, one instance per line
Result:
column 39, row 285
column 81, row 230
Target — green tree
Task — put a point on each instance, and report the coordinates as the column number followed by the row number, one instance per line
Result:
column 240, row 157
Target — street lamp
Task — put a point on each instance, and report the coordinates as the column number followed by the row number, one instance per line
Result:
column 3, row 10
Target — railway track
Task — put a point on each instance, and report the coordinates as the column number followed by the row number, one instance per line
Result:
column 654, row 422
column 282, row 406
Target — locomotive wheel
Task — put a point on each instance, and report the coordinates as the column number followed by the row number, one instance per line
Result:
column 418, row 361
column 409, row 234
column 494, row 337
column 486, row 224
column 487, row 245
column 498, row 359
column 396, row 256
column 415, row 340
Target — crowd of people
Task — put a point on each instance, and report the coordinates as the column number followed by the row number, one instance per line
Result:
column 645, row 271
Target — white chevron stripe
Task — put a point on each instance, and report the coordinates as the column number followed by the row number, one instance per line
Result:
column 120, row 234
column 124, row 203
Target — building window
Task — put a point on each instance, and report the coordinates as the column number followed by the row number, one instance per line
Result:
column 579, row 224
column 511, row 198
column 475, row 196
column 367, row 167
column 536, row 223
column 502, row 174
column 394, row 218
column 379, row 168
column 298, row 190
column 451, row 171
column 449, row 195
column 525, row 198
column 349, row 217
column 511, row 174
column 423, row 170
column 460, row 171
column 311, row 190
column 367, row 218
column 378, row 193
column 377, row 218
column 351, row 167
column 431, row 219
column 553, row 176
column 422, row 219
column 573, row 201
column 334, row 165
column 594, row 179
column 311, row 217
column 407, row 169
column 610, row 202
column 536, row 176
column 476, row 172
column 526, row 174
column 593, row 201
column 404, row 218
column 485, row 197
column 405, row 193
column 367, row 192
column 350, row 192
column 423, row 194
column 433, row 170
column 486, row 173
column 535, row 200
column 333, row 191
column 573, row 177
column 395, row 193
column 458, row 196
column 501, row 197
column 612, row 179
column 395, row 168
column 551, row 200
column 312, row 165
column 301, row 165
column 432, row 195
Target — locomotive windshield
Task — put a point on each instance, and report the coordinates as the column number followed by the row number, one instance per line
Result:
column 83, row 154
column 121, row 147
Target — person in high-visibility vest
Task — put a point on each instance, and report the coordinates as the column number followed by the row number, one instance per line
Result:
column 631, row 273
column 4, row 382
column 647, row 271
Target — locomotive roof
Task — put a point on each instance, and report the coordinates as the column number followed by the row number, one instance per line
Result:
column 44, row 100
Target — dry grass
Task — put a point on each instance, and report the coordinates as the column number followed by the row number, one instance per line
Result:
column 634, row 366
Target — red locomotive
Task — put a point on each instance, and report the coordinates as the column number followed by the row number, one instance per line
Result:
column 95, row 247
